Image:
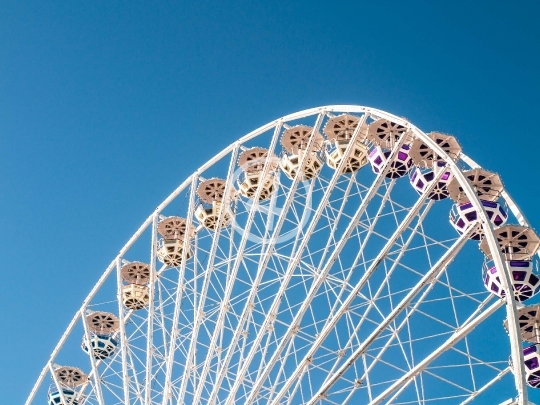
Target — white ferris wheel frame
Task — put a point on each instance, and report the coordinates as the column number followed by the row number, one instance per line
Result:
column 499, row 262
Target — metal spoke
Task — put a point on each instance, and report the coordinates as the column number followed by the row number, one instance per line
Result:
column 294, row 262
column 322, row 275
column 261, row 267
column 466, row 328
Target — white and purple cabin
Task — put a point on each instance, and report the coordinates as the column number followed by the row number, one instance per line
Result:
column 525, row 282
column 531, row 356
column 398, row 168
column 464, row 215
column 420, row 181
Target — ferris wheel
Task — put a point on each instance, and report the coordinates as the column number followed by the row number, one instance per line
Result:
column 337, row 255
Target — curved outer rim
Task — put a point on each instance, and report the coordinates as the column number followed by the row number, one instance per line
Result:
column 511, row 305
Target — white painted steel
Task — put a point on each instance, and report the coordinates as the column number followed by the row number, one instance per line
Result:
column 95, row 374
column 294, row 262
column 402, row 383
column 433, row 273
column 344, row 307
column 161, row 359
column 263, row 262
column 486, row 386
column 122, row 332
column 324, row 272
column 150, row 321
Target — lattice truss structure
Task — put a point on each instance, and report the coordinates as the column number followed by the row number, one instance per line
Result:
column 315, row 260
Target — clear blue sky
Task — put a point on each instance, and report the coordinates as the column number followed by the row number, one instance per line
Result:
column 106, row 106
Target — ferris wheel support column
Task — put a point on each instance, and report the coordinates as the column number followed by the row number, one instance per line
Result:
column 292, row 265
column 150, row 333
column 324, row 271
column 262, row 265
column 97, row 385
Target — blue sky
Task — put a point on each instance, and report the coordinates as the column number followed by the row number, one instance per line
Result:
column 105, row 107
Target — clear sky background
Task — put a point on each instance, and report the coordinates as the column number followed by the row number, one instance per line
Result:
column 106, row 106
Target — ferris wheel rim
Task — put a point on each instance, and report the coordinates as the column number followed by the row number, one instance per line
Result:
column 513, row 330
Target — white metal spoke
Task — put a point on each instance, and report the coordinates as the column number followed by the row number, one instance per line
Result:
column 261, row 267
column 122, row 332
column 384, row 283
column 432, row 274
column 473, row 396
column 294, row 262
column 322, row 275
column 150, row 332
column 95, row 373
column 167, row 395
column 466, row 328
column 227, row 292
column 344, row 307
